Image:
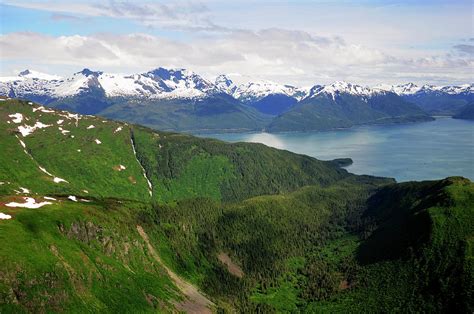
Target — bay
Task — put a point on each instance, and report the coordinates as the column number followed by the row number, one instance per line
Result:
column 419, row 151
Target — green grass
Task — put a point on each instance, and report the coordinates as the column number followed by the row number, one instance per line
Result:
column 81, row 257
column 92, row 169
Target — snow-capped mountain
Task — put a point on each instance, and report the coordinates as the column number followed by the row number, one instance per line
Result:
column 436, row 100
column 78, row 83
column 158, row 83
column 402, row 89
column 225, row 84
column 254, row 91
column 341, row 87
column 182, row 83
column 342, row 105
column 92, row 91
column 30, row 74
column 411, row 89
column 265, row 96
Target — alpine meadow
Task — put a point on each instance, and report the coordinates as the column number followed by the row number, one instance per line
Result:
column 204, row 156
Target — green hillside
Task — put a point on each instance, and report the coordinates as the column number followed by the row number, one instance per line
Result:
column 148, row 221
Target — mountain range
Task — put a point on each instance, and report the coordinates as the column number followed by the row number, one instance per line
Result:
column 105, row 216
column 436, row 100
column 181, row 100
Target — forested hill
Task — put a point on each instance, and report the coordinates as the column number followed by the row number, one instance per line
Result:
column 103, row 216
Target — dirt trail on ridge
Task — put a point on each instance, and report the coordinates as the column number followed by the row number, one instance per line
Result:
column 196, row 302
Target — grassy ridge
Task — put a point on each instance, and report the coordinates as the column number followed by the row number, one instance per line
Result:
column 73, row 156
column 79, row 257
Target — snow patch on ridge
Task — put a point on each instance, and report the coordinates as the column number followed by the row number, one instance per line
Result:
column 29, row 203
column 24, row 190
column 45, row 171
column 26, row 130
column 150, row 187
column 59, row 180
column 17, row 117
column 5, row 216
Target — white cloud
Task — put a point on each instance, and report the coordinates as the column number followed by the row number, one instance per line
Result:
column 284, row 56
column 300, row 42
column 186, row 15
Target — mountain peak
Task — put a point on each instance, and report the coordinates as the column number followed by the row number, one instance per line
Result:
column 87, row 72
column 341, row 87
column 225, row 84
column 171, row 74
column 223, row 79
column 260, row 89
column 30, row 74
column 24, row 73
column 160, row 72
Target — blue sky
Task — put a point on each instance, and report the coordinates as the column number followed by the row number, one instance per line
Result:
column 17, row 19
column 297, row 42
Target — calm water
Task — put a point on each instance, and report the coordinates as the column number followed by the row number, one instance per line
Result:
column 420, row 151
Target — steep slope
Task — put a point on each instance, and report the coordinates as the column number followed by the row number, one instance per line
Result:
column 423, row 242
column 97, row 215
column 343, row 105
column 466, row 112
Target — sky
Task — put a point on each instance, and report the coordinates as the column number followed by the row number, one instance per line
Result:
column 297, row 42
